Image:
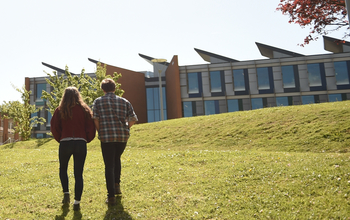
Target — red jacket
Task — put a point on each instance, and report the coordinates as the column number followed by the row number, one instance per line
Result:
column 80, row 126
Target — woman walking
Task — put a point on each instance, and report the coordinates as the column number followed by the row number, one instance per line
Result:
column 73, row 127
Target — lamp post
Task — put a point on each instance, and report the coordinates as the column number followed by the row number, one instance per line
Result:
column 160, row 70
column 347, row 4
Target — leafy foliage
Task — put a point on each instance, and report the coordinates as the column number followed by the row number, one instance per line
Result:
column 317, row 14
column 89, row 87
column 21, row 114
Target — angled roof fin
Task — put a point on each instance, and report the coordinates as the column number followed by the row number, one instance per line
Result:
column 335, row 45
column 58, row 70
column 213, row 58
column 274, row 52
column 149, row 59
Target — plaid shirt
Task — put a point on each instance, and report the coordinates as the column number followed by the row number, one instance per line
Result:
column 113, row 113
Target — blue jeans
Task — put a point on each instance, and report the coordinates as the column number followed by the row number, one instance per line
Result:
column 78, row 150
column 111, row 153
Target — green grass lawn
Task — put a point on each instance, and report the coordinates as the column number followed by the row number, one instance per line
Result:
column 273, row 163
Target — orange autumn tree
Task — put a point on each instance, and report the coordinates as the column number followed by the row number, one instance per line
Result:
column 322, row 16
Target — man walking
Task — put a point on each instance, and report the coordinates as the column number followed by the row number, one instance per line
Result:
column 113, row 117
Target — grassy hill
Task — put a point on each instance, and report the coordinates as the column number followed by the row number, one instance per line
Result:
column 274, row 163
column 306, row 128
column 316, row 128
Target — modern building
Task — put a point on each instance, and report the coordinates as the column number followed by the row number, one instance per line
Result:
column 224, row 84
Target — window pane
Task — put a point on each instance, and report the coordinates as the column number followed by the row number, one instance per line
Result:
column 33, row 115
column 238, row 78
column 150, row 115
column 153, row 104
column 209, row 107
column 335, row 97
column 308, row 99
column 193, row 87
column 282, row 101
column 263, row 78
column 314, row 74
column 341, row 73
column 232, row 105
column 288, row 77
column 156, row 98
column 165, row 114
column 215, row 81
column 187, row 106
column 257, row 103
column 39, row 136
column 48, row 120
column 149, row 94
column 164, row 99
column 39, row 90
column 156, row 115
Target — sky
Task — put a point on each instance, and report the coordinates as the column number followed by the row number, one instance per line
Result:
column 67, row 33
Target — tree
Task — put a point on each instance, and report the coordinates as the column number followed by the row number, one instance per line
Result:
column 21, row 114
column 322, row 16
column 89, row 87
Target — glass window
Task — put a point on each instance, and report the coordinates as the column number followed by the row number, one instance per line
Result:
column 282, row 101
column 153, row 104
column 193, row 86
column 238, row 79
column 187, row 107
column 156, row 115
column 209, row 107
column 32, row 115
column 149, row 94
column 215, row 81
column 39, row 89
column 257, row 103
column 39, row 136
column 308, row 99
column 288, row 77
column 232, row 105
column 156, row 98
column 150, row 116
column 335, row 97
column 341, row 73
column 314, row 74
column 48, row 120
column 164, row 103
column 263, row 78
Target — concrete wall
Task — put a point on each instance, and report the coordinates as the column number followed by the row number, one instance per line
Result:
column 173, row 93
column 133, row 83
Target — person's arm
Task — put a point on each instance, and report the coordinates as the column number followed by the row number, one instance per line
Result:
column 95, row 116
column 90, row 130
column 97, row 125
column 132, row 116
column 56, row 127
column 131, row 123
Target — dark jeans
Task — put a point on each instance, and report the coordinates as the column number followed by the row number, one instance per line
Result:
column 111, row 153
column 78, row 150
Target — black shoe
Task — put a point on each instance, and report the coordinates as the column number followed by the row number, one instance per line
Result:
column 117, row 189
column 76, row 207
column 111, row 201
column 66, row 199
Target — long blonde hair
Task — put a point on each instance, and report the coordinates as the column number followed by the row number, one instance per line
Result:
column 70, row 98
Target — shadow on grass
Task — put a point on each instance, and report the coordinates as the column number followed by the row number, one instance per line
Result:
column 9, row 146
column 40, row 142
column 65, row 209
column 117, row 211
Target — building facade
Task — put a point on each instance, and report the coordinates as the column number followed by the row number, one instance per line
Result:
column 7, row 134
column 226, row 85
